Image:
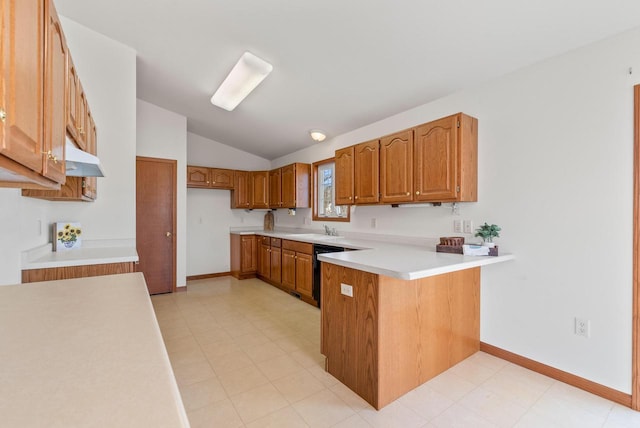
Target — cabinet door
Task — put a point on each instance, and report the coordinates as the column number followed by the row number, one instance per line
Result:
column 366, row 172
column 90, row 189
column 275, row 188
column 248, row 262
column 304, row 274
column 55, row 88
column 260, row 189
column 344, row 176
column 22, row 82
column 72, row 94
column 289, row 269
column 396, row 167
column 435, row 156
column 81, row 117
column 276, row 265
column 264, row 265
column 241, row 189
column 198, row 176
column 295, row 185
column 221, row 178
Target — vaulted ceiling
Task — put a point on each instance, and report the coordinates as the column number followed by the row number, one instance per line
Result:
column 337, row 64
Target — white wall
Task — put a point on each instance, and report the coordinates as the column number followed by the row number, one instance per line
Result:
column 555, row 171
column 107, row 70
column 163, row 134
column 209, row 215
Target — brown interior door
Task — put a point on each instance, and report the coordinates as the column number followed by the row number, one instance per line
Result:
column 156, row 222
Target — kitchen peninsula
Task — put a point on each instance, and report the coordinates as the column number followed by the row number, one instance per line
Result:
column 395, row 313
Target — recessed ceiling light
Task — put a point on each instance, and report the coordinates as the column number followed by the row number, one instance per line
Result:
column 248, row 72
column 317, row 135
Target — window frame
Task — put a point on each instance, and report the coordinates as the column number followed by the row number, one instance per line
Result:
column 314, row 200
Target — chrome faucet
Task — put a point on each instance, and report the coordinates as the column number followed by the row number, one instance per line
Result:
column 330, row 231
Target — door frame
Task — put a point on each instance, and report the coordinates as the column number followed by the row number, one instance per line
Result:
column 635, row 362
column 174, row 210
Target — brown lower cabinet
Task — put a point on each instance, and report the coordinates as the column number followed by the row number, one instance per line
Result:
column 244, row 258
column 70, row 272
column 282, row 263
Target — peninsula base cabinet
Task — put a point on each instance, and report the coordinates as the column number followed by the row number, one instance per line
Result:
column 70, row 272
column 393, row 335
column 244, row 256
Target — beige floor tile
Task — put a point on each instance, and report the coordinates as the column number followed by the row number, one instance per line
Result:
column 264, row 351
column 323, row 376
column 220, row 414
column 592, row 403
column 229, row 362
column 248, row 341
column 193, row 373
column 352, row 399
column 566, row 414
column 426, row 402
column 291, row 343
column 213, row 335
column 190, row 355
column 622, row 417
column 258, row 402
column 451, row 385
column 493, row 407
column 488, row 361
column 323, row 409
column 200, row 394
column 308, row 358
column 244, row 379
column 522, row 391
column 279, row 367
column 173, row 333
column 394, row 415
column 354, row 421
column 533, row 419
column 284, row 418
column 473, row 372
column 461, row 417
column 217, row 349
column 297, row 386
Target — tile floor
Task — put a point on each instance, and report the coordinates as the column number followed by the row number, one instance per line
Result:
column 247, row 355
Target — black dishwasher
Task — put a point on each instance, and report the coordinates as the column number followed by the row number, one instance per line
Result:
column 320, row 249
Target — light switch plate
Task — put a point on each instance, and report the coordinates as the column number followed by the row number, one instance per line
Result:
column 468, row 226
column 346, row 289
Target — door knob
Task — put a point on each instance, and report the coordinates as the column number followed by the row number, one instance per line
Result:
column 168, row 234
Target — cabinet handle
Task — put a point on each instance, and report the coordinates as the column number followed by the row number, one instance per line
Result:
column 417, row 192
column 168, row 234
column 408, row 193
column 50, row 156
column 349, row 197
column 80, row 130
column 3, row 115
column 356, row 197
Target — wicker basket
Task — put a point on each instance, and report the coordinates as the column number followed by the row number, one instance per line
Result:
column 454, row 241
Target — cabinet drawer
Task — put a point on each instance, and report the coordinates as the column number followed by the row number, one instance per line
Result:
column 265, row 240
column 300, row 247
column 276, row 242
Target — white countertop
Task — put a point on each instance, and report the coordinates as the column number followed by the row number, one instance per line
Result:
column 85, row 353
column 411, row 260
column 90, row 254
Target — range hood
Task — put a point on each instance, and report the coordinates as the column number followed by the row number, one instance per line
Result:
column 81, row 164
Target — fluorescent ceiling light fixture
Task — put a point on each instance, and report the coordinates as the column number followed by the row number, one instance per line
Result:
column 317, row 135
column 248, row 72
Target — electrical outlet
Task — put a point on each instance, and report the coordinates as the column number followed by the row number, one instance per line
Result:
column 373, row 223
column 582, row 327
column 468, row 226
column 346, row 289
column 457, row 225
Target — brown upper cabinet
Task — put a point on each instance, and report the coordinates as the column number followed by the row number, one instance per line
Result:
column 259, row 189
column 295, row 185
column 28, row 159
column 242, row 191
column 366, row 164
column 396, row 167
column 210, row 178
column 446, row 160
column 344, row 176
column 275, row 188
column 433, row 162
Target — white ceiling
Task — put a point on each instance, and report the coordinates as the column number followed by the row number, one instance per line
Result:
column 337, row 64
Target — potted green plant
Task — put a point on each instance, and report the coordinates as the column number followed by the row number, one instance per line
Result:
column 487, row 233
